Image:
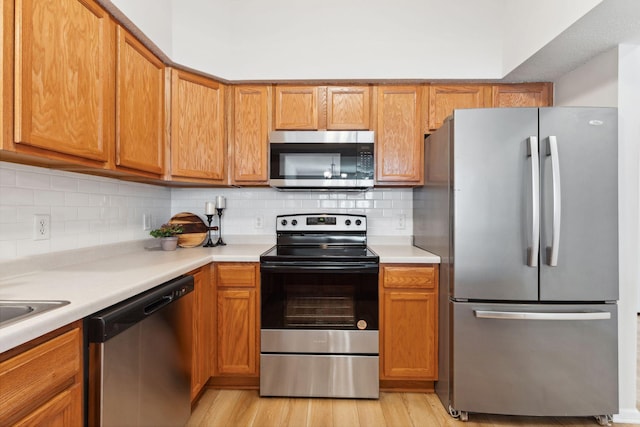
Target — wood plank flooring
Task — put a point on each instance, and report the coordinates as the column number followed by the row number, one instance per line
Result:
column 245, row 408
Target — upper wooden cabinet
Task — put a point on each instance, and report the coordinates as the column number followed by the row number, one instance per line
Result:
column 522, row 95
column 296, row 107
column 64, row 80
column 444, row 99
column 250, row 135
column 140, row 118
column 322, row 107
column 348, row 108
column 399, row 138
column 198, row 147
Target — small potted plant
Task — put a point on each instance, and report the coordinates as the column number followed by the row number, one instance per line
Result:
column 168, row 235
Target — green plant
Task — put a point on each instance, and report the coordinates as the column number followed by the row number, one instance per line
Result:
column 167, row 230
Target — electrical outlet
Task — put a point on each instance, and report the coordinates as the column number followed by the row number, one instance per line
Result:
column 258, row 222
column 401, row 221
column 41, row 227
column 146, row 221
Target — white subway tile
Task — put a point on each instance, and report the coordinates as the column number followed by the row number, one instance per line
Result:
column 8, row 214
column 64, row 183
column 29, row 179
column 16, row 196
column 7, row 176
column 76, row 199
column 8, row 250
column 48, row 198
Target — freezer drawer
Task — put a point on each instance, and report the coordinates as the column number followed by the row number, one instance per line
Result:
column 532, row 359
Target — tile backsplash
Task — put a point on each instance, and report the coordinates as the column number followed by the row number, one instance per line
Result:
column 85, row 210
column 88, row 210
column 252, row 211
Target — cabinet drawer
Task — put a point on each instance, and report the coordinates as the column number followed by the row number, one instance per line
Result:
column 409, row 277
column 35, row 376
column 236, row 274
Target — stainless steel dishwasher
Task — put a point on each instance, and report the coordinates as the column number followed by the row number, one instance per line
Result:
column 139, row 361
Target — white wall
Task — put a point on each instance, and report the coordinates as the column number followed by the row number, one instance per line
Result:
column 85, row 210
column 153, row 17
column 594, row 84
column 358, row 39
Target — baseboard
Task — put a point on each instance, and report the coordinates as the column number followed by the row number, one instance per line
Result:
column 629, row 416
column 406, row 386
column 241, row 383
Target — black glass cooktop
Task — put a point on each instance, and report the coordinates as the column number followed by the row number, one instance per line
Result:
column 320, row 253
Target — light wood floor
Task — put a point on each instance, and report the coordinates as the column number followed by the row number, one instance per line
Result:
column 236, row 408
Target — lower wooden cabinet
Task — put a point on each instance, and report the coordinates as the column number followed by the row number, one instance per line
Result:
column 237, row 346
column 41, row 381
column 408, row 325
column 202, row 323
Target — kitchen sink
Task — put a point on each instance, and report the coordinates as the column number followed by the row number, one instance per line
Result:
column 12, row 310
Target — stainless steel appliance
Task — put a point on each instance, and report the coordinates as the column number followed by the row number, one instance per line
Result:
column 521, row 205
column 139, row 362
column 325, row 160
column 319, row 309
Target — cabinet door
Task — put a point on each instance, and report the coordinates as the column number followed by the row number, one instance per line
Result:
column 202, row 329
column 400, row 142
column 522, row 95
column 198, row 148
column 30, row 380
column 139, row 107
column 250, row 150
column 64, row 79
column 444, row 99
column 409, row 343
column 348, row 108
column 236, row 329
column 65, row 409
column 296, row 107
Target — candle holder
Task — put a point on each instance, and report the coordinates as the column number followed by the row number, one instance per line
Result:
column 220, row 242
column 210, row 243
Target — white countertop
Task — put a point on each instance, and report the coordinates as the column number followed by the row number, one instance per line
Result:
column 92, row 285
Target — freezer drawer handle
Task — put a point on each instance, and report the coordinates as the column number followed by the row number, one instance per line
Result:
column 528, row 315
column 532, row 255
column 552, row 252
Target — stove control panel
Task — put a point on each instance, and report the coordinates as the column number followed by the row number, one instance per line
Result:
column 321, row 222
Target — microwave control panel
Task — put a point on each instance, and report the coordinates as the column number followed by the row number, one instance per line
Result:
column 364, row 161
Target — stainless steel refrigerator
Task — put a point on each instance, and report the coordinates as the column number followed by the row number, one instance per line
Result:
column 521, row 204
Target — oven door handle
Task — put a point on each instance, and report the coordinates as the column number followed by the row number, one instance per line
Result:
column 297, row 268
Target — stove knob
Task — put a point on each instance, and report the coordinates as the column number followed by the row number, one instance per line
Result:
column 358, row 222
column 283, row 222
column 294, row 222
column 347, row 222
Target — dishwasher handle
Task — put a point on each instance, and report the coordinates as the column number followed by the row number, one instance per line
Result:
column 158, row 304
column 116, row 319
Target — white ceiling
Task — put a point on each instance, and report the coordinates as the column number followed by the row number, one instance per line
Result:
column 607, row 25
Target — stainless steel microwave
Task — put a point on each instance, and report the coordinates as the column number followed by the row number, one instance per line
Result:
column 321, row 160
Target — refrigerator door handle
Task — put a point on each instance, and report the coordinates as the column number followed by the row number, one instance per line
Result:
column 530, row 315
column 532, row 255
column 552, row 252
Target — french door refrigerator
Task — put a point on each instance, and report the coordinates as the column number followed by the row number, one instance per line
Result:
column 521, row 205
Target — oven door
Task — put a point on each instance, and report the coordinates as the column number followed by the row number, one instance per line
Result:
column 319, row 296
column 319, row 334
